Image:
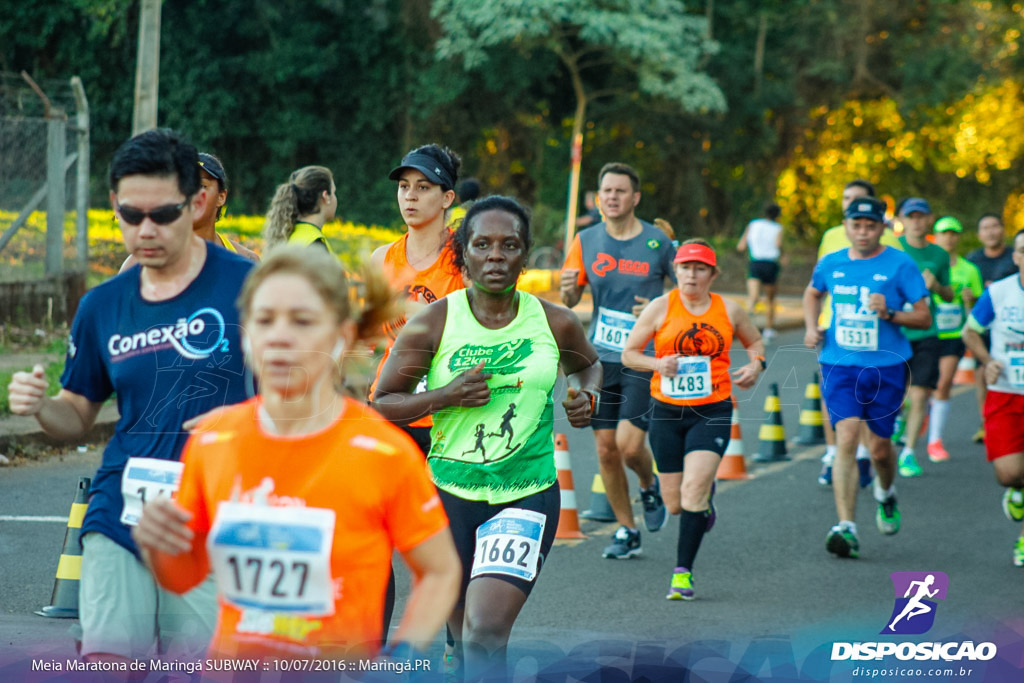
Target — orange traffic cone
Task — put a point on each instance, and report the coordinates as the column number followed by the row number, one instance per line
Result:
column 965, row 370
column 568, row 519
column 733, row 465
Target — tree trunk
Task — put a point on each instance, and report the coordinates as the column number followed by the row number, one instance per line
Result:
column 762, row 35
column 576, row 147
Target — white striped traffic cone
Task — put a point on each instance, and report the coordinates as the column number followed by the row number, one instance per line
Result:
column 733, row 465
column 568, row 519
column 965, row 370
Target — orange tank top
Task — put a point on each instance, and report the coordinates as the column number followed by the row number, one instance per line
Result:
column 436, row 282
column 703, row 341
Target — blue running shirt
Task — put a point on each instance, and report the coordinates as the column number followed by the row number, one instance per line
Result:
column 168, row 361
column 857, row 336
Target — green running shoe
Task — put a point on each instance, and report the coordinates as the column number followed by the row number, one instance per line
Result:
column 1018, row 553
column 1013, row 504
column 682, row 585
column 842, row 541
column 451, row 667
column 908, row 466
column 888, row 517
column 900, row 427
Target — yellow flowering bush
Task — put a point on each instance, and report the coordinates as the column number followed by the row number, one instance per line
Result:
column 352, row 242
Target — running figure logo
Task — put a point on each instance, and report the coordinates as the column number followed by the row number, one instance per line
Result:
column 506, row 425
column 701, row 339
column 504, row 430
column 916, row 592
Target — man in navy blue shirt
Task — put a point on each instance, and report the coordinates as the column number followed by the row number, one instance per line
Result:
column 164, row 336
column 864, row 358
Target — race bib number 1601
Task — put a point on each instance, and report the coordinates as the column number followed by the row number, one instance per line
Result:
column 613, row 328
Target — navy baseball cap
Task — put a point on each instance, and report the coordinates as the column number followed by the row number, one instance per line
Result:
column 915, row 205
column 212, row 165
column 425, row 164
column 866, row 207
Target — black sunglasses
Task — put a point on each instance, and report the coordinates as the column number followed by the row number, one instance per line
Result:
column 161, row 215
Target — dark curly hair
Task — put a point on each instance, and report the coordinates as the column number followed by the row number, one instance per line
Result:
column 460, row 238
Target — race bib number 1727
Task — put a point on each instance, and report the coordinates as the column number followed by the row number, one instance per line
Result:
column 273, row 558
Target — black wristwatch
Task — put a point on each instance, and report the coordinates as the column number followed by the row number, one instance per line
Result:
column 890, row 314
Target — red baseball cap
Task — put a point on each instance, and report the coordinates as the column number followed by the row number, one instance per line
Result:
column 696, row 252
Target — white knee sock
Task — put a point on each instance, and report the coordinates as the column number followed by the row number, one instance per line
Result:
column 937, row 419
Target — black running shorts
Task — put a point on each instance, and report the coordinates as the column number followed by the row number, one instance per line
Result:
column 678, row 430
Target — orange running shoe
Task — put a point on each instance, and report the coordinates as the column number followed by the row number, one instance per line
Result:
column 937, row 452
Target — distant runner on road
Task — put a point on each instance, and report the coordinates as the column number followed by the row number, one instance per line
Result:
column 693, row 329
column 626, row 262
column 864, row 359
column 1000, row 311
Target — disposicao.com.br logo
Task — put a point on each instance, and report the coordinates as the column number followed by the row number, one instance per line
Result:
column 915, row 596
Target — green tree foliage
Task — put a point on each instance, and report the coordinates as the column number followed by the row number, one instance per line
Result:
column 721, row 105
column 606, row 48
column 655, row 39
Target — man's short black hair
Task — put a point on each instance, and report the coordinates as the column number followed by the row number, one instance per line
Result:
column 160, row 152
column 863, row 184
column 469, row 190
column 990, row 215
column 772, row 211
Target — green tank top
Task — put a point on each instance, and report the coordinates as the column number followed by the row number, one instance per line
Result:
column 950, row 317
column 306, row 234
column 502, row 451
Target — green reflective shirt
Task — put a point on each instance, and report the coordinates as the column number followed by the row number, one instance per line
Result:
column 950, row 316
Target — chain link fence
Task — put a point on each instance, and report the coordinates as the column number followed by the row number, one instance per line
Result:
column 44, row 181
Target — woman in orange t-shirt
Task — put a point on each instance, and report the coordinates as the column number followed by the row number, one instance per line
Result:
column 296, row 498
column 692, row 329
column 420, row 264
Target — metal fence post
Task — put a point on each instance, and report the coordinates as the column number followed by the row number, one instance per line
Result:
column 82, row 179
column 56, row 144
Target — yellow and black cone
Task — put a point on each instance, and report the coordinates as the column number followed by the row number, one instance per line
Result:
column 600, row 509
column 64, row 601
column 772, row 437
column 812, row 425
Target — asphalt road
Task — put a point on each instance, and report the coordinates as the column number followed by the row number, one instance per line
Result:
column 770, row 599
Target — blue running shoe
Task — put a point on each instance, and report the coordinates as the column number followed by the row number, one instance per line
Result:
column 655, row 512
